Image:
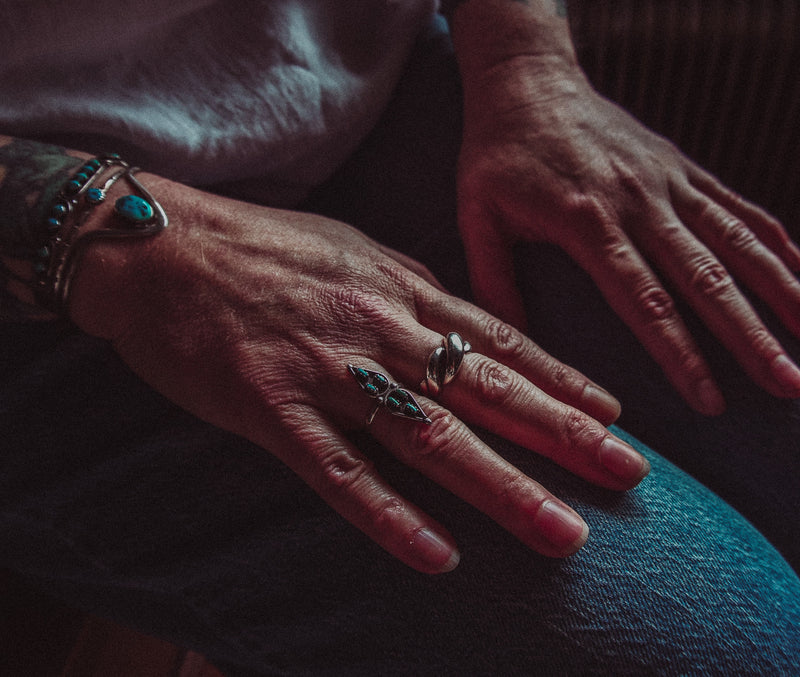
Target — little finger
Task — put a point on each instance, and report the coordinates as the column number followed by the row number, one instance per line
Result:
column 350, row 484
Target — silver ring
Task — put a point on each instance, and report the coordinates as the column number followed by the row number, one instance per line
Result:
column 444, row 363
column 387, row 394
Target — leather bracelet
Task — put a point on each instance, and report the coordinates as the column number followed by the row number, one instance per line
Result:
column 63, row 241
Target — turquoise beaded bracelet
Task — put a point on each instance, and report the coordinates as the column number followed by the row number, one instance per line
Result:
column 138, row 215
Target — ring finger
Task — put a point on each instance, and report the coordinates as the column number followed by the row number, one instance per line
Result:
column 447, row 452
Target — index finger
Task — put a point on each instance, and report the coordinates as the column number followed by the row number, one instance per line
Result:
column 507, row 345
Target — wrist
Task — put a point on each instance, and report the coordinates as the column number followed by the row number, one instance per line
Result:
column 109, row 273
column 487, row 33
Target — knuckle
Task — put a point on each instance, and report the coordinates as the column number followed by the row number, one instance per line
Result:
column 503, row 341
column 440, row 441
column 736, row 236
column 511, row 489
column 560, row 374
column 632, row 182
column 729, row 231
column 589, row 208
column 356, row 305
column 342, row 471
column 656, row 303
column 387, row 514
column 710, row 278
column 615, row 249
column 577, row 431
column 493, row 383
column 762, row 341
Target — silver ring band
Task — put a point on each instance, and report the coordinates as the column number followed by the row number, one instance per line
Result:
column 444, row 363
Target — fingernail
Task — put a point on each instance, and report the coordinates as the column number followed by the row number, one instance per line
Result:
column 438, row 553
column 710, row 398
column 603, row 399
column 786, row 373
column 562, row 526
column 623, row 461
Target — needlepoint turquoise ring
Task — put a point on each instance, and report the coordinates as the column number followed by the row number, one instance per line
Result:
column 397, row 400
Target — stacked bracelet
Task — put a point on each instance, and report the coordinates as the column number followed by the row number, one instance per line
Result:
column 62, row 239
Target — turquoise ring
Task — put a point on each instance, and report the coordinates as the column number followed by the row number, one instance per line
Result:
column 387, row 394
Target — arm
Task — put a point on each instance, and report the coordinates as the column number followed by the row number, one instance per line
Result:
column 545, row 158
column 248, row 317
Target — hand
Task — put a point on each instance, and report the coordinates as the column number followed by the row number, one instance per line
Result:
column 545, row 158
column 248, row 317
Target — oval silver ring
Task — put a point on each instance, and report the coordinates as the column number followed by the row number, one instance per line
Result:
column 444, row 363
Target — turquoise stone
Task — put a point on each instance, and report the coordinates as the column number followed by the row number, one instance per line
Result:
column 393, row 402
column 411, row 411
column 134, row 209
column 72, row 187
column 95, row 195
column 53, row 224
column 59, row 210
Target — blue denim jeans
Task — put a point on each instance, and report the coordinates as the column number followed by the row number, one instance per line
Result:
column 121, row 503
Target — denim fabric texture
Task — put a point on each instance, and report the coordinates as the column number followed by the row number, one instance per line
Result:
column 123, row 504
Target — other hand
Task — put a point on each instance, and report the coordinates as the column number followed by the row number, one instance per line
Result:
column 545, row 158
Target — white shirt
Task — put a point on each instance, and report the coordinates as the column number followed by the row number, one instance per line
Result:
column 207, row 91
